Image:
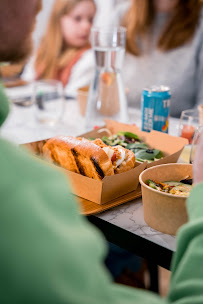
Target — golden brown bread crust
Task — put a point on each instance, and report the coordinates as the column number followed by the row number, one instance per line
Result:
column 59, row 150
column 78, row 155
column 99, row 143
column 86, row 157
column 92, row 160
column 128, row 163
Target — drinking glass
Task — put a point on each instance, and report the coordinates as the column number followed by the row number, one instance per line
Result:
column 195, row 142
column 106, row 98
column 189, row 122
column 48, row 100
column 200, row 110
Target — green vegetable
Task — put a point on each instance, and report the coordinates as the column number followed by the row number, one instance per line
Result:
column 137, row 145
column 129, row 135
column 132, row 142
column 106, row 140
column 158, row 154
column 147, row 154
column 141, row 160
column 112, row 141
column 176, row 188
column 151, row 184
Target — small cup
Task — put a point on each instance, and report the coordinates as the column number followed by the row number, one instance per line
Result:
column 48, row 100
column 195, row 143
column 82, row 95
column 189, row 121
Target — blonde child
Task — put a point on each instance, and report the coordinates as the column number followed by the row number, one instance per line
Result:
column 65, row 53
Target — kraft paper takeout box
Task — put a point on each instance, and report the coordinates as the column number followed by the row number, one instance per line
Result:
column 100, row 192
column 112, row 187
column 163, row 211
column 109, row 188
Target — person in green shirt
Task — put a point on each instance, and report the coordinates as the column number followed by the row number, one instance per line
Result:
column 49, row 253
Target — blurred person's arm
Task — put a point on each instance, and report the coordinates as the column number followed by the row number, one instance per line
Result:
column 50, row 253
column 187, row 267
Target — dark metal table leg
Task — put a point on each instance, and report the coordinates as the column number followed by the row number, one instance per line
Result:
column 154, row 277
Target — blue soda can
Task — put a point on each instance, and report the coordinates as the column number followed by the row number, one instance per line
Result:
column 155, row 108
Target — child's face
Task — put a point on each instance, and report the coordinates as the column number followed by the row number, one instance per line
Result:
column 76, row 26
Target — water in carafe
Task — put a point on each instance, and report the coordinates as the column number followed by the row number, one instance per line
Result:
column 107, row 95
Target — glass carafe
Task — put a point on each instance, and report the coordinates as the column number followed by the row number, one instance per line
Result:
column 107, row 97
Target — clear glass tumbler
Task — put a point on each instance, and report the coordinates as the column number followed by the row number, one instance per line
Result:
column 195, row 142
column 189, row 122
column 106, row 98
column 48, row 100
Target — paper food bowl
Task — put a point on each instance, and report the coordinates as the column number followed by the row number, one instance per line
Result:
column 163, row 211
column 82, row 95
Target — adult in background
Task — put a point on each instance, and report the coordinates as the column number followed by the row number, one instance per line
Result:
column 51, row 254
column 164, row 47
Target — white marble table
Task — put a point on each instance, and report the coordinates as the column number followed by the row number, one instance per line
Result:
column 21, row 127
